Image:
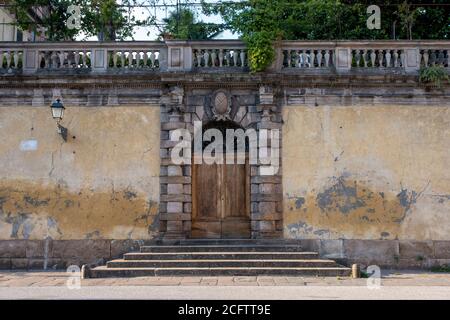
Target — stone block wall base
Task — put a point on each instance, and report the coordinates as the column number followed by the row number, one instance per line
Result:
column 395, row 254
column 59, row 254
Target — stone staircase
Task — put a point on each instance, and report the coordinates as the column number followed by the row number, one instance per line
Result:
column 220, row 258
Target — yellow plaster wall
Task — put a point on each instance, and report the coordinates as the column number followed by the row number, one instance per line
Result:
column 367, row 172
column 101, row 184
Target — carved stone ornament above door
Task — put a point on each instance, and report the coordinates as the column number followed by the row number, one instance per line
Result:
column 221, row 105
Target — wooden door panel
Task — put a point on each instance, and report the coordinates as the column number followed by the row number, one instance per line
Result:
column 236, row 228
column 207, row 192
column 236, row 193
column 220, row 201
column 206, row 229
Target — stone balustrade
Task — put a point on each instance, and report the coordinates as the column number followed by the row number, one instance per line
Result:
column 137, row 59
column 378, row 58
column 203, row 56
column 433, row 56
column 63, row 59
column 307, row 55
column 10, row 59
column 222, row 55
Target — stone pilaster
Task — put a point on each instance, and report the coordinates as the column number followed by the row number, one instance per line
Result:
column 175, row 180
column 266, row 189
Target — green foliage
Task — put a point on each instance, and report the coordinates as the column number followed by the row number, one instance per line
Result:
column 182, row 25
column 434, row 75
column 260, row 50
column 364, row 275
column 261, row 22
column 443, row 268
column 102, row 18
column 408, row 17
column 54, row 21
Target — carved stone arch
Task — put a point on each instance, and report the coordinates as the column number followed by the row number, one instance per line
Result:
column 254, row 108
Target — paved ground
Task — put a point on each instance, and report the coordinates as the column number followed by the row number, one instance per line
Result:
column 394, row 285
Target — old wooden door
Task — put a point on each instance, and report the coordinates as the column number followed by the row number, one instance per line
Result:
column 221, row 201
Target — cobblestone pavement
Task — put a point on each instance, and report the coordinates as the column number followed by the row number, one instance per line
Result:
column 60, row 278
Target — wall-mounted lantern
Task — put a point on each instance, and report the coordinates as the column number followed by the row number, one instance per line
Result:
column 58, row 113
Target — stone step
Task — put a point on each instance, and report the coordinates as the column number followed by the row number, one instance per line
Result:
column 219, row 255
column 271, row 263
column 104, row 272
column 222, row 248
column 223, row 242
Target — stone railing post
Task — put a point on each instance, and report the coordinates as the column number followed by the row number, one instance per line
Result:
column 179, row 55
column 99, row 60
column 412, row 60
column 343, row 56
column 163, row 59
column 30, row 61
column 277, row 64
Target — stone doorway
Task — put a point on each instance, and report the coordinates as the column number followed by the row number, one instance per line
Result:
column 221, row 193
column 184, row 203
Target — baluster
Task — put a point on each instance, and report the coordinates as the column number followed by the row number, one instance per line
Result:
column 433, row 57
column 425, row 57
column 157, row 55
column 114, row 58
column 138, row 59
column 327, row 58
column 221, row 56
column 84, row 59
column 40, row 58
column 153, row 59
column 122, row 59
column 206, row 58
column 242, row 58
column 319, row 58
column 365, row 57
column 357, row 57
column 77, row 58
column 130, row 59
column 235, row 57
column 304, row 59
column 372, row 57
column 396, row 62
column 54, row 57
column 213, row 57
column 388, row 58
column 380, row 58
column 70, row 59
column 201, row 58
column 312, row 58
column 288, row 58
column 16, row 59
column 8, row 59
column 61, row 57
column 441, row 58
column 145, row 58
column 46, row 59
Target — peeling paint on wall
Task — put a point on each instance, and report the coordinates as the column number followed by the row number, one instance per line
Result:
column 102, row 183
column 94, row 215
column 391, row 180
